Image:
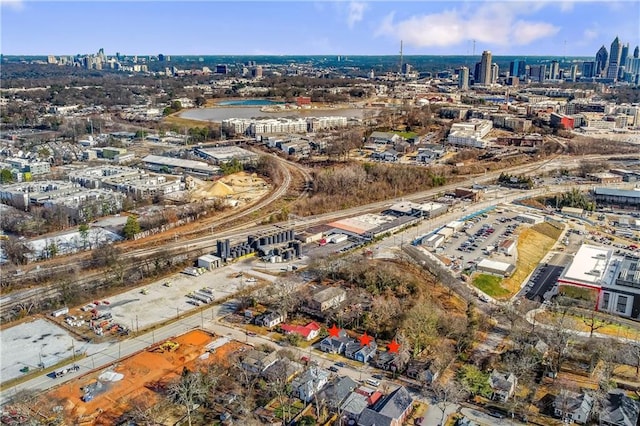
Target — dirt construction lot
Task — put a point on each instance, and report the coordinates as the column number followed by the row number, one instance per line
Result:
column 163, row 300
column 135, row 380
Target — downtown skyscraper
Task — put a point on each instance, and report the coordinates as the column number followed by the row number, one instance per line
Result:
column 485, row 68
column 602, row 58
column 614, row 59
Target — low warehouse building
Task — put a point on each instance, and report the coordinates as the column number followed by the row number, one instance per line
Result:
column 209, row 261
column 434, row 241
column 530, row 218
column 495, row 268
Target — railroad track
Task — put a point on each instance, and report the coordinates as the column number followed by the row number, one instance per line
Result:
column 207, row 243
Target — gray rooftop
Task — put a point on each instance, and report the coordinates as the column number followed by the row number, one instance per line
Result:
column 617, row 192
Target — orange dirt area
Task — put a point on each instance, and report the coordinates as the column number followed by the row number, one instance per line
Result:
column 143, row 376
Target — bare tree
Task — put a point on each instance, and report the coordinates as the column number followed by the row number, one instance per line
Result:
column 558, row 336
column 594, row 322
column 446, row 395
column 189, row 390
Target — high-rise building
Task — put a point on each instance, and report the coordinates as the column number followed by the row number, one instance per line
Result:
column 636, row 52
column 485, row 67
column 574, row 72
column 537, row 72
column 602, row 57
column 624, row 55
column 463, row 78
column 494, row 73
column 406, row 69
column 257, row 71
column 614, row 59
column 514, row 67
column 160, row 57
column 476, row 73
column 554, row 71
column 518, row 68
column 588, row 69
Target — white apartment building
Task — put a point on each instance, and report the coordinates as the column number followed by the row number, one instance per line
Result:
column 470, row 133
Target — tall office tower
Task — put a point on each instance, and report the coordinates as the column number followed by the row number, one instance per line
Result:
column 476, row 73
column 257, row 71
column 537, row 72
column 463, row 78
column 624, row 55
column 518, row 68
column 494, row 73
column 636, row 52
column 485, row 67
column 514, row 68
column 614, row 59
column 406, row 69
column 574, row 72
column 602, row 57
column 588, row 69
column 554, row 71
column 160, row 57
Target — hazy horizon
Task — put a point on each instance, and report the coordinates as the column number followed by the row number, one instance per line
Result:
column 575, row 28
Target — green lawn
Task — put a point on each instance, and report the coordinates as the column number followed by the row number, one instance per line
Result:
column 407, row 135
column 490, row 284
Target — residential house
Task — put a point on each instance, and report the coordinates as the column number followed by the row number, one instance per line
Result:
column 335, row 393
column 389, row 155
column 309, row 383
column 307, row 332
column 258, row 361
column 333, row 345
column 365, row 353
column 337, row 345
column 328, row 298
column 353, row 406
column 423, row 371
column 389, row 411
column 573, row 407
column 351, row 348
column 503, row 385
column 389, row 361
column 384, row 138
column 269, row 319
column 283, row 369
column 620, row 410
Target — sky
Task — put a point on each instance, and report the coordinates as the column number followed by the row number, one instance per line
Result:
column 340, row 27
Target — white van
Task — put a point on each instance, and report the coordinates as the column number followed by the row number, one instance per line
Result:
column 373, row 382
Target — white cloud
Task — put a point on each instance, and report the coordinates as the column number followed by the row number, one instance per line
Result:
column 566, row 6
column 489, row 23
column 12, row 4
column 355, row 13
column 590, row 34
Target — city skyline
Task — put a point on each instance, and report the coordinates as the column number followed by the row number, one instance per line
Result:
column 543, row 28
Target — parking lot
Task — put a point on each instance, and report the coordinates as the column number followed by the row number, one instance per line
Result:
column 545, row 277
column 469, row 245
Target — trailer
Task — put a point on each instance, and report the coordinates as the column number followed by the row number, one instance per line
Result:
column 59, row 312
column 199, row 297
column 339, row 238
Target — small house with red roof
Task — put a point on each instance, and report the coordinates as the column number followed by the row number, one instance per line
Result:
column 307, row 332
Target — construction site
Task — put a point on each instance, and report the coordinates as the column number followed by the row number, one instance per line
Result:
column 238, row 189
column 103, row 395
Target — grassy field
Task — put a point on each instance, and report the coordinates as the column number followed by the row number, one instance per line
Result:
column 176, row 120
column 490, row 284
column 533, row 244
column 579, row 323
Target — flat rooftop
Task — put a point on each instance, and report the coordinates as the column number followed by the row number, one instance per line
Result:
column 588, row 266
column 361, row 224
column 179, row 162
